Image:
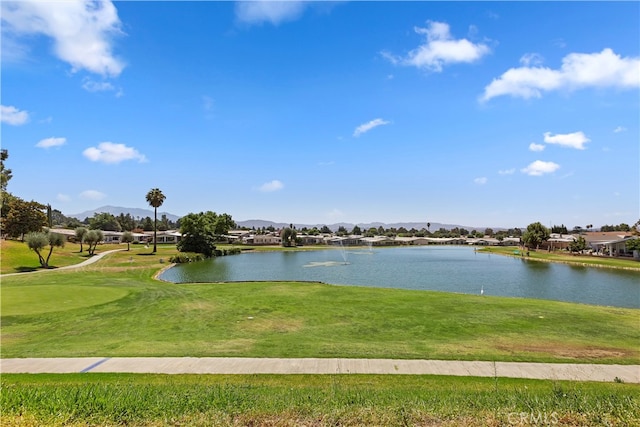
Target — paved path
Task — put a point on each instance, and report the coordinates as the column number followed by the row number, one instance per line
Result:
column 84, row 263
column 236, row 365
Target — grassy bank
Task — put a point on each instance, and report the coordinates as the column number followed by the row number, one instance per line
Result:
column 115, row 308
column 313, row 400
column 18, row 258
column 566, row 258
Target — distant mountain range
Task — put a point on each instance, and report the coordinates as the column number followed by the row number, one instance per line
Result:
column 259, row 223
column 117, row 210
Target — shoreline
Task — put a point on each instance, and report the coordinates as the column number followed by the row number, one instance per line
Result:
column 558, row 261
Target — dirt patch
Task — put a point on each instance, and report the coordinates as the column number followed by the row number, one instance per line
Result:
column 565, row 351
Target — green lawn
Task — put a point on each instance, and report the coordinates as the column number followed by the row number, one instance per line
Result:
column 567, row 258
column 312, row 400
column 17, row 257
column 115, row 308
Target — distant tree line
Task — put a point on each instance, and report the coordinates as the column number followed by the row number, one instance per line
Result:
column 393, row 232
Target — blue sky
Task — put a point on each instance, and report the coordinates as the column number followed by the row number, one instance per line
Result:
column 474, row 113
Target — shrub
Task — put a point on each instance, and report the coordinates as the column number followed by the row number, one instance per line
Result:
column 184, row 258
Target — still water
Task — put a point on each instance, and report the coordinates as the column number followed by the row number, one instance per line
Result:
column 440, row 268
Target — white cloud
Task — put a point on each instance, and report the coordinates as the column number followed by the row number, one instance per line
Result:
column 539, row 167
column 12, row 116
column 51, row 142
column 619, row 129
column 439, row 49
column 93, row 86
column 108, row 152
column 573, row 140
column 507, row 171
column 531, row 59
column 275, row 12
column 578, row 70
column 271, row 186
column 480, row 181
column 92, row 195
column 63, row 197
column 366, row 127
column 82, row 31
column 536, row 147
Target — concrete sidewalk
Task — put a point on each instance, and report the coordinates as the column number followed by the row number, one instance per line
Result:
column 236, row 365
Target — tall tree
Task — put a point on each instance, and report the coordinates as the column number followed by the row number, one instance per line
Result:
column 104, row 221
column 155, row 198
column 536, row 233
column 200, row 231
column 5, row 174
column 288, row 237
column 24, row 217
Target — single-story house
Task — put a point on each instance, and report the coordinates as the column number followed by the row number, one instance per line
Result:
column 612, row 243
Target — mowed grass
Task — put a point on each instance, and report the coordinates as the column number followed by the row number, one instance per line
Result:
column 17, row 257
column 310, row 400
column 289, row 319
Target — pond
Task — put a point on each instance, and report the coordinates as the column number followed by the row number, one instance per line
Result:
column 441, row 268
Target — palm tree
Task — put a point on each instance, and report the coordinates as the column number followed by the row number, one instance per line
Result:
column 155, row 198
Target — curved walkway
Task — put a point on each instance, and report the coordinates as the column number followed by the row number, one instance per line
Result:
column 238, row 365
column 84, row 263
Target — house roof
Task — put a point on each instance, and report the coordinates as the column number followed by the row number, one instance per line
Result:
column 605, row 236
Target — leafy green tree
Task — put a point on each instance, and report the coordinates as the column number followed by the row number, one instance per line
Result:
column 147, row 224
column 200, row 231
column 126, row 221
column 223, row 223
column 81, row 234
column 633, row 244
column 164, row 223
column 37, row 241
column 104, row 221
column 155, row 198
column 578, row 245
column 356, row 230
column 127, row 237
column 288, row 237
column 92, row 238
column 560, row 229
column 342, row 231
column 536, row 234
column 24, row 217
column 488, row 232
column 5, row 174
column 325, row 230
column 623, row 227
